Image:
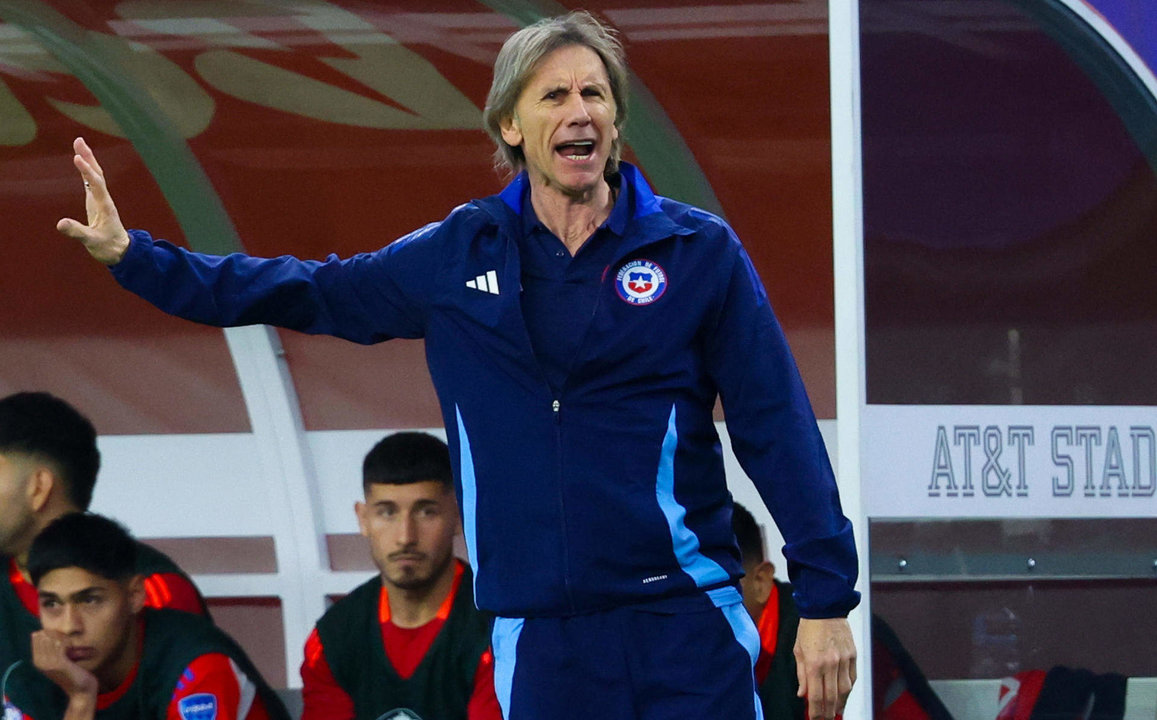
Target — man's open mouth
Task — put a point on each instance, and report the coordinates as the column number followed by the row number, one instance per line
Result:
column 577, row 150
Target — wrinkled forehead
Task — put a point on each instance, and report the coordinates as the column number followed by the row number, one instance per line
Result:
column 573, row 63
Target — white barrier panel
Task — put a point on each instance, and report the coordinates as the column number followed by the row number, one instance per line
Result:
column 979, row 699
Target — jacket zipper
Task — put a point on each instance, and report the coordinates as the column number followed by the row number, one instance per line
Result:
column 555, row 409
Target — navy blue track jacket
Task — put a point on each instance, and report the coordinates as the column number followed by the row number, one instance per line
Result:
column 610, row 491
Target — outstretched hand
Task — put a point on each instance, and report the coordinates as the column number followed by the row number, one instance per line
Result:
column 825, row 656
column 104, row 235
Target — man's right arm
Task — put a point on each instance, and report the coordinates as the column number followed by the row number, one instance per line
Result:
column 366, row 298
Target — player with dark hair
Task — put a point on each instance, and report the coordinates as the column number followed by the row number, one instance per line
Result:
column 405, row 458
column 107, row 656
column 48, row 467
column 409, row 643
column 579, row 329
column 770, row 604
column 46, row 429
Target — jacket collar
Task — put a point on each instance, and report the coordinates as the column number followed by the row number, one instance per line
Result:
column 648, row 223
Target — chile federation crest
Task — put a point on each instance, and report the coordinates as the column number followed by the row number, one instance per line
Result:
column 641, row 282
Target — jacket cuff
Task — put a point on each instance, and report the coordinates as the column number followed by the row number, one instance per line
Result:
column 139, row 244
column 823, row 573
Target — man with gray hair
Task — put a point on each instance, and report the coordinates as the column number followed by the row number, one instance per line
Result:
column 578, row 330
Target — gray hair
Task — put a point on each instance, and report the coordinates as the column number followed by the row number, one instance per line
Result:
column 519, row 58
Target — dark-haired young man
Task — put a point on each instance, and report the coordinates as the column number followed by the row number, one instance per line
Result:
column 48, row 467
column 108, row 656
column 409, row 643
column 770, row 604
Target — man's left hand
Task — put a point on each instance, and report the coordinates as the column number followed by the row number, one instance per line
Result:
column 825, row 656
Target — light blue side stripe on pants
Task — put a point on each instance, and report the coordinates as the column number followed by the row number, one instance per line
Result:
column 504, row 642
column 702, row 569
column 469, row 497
column 730, row 602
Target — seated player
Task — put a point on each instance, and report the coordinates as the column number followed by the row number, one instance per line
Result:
column 48, row 466
column 409, row 643
column 770, row 604
column 109, row 657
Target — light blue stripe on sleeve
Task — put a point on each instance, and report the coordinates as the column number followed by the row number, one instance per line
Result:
column 702, row 569
column 504, row 642
column 469, row 497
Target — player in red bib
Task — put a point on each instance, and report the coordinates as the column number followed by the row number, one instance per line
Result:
column 48, row 467
column 103, row 655
column 408, row 643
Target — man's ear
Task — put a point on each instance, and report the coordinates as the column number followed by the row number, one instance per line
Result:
column 136, row 590
column 511, row 131
column 42, row 483
column 360, row 511
column 762, row 580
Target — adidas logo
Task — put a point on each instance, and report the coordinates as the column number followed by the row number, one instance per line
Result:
column 487, row 283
